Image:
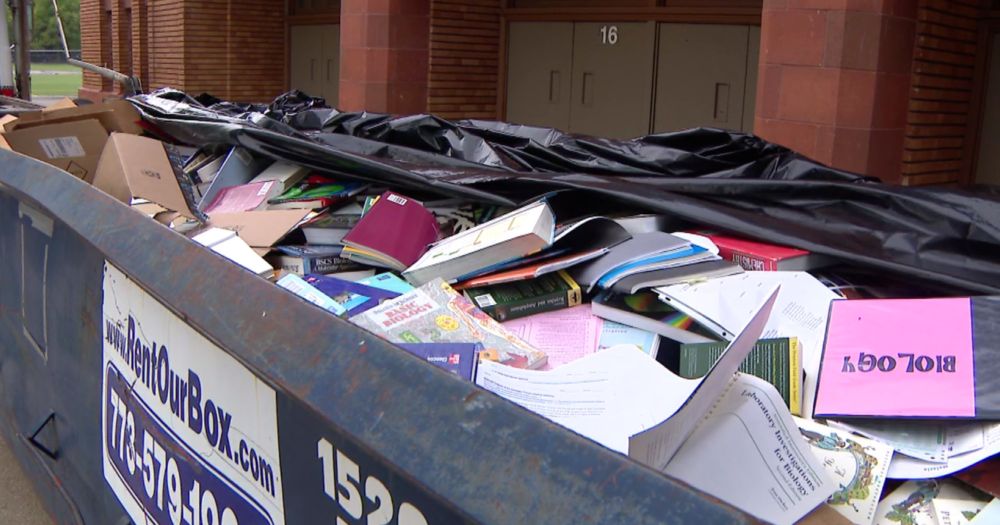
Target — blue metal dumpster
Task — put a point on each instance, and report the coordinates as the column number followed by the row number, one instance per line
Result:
column 144, row 378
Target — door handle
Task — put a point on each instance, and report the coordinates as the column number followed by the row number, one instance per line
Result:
column 721, row 102
column 554, row 86
column 587, row 95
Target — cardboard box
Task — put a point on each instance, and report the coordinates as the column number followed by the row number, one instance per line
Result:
column 73, row 146
column 116, row 116
column 134, row 166
column 261, row 229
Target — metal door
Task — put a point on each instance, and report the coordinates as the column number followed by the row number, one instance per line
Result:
column 701, row 76
column 612, row 78
column 331, row 64
column 753, row 60
column 539, row 62
column 306, row 51
column 988, row 164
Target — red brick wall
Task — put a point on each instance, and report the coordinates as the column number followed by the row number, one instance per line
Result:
column 165, row 21
column 90, row 41
column 233, row 49
column 464, row 58
column 937, row 149
column 833, row 81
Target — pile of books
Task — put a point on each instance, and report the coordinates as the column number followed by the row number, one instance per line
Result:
column 774, row 379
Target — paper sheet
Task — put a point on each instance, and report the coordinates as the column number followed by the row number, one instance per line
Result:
column 565, row 335
column 926, row 441
column 748, row 452
column 606, row 396
column 904, row 467
column 801, row 311
column 655, row 447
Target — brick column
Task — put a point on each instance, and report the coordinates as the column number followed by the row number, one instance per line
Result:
column 384, row 55
column 834, row 79
column 121, row 39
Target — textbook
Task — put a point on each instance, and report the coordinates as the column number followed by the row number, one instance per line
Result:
column 295, row 284
column 777, row 361
column 519, row 299
column 330, row 227
column 302, row 260
column 911, row 358
column 356, row 298
column 761, row 256
column 511, row 236
column 642, row 253
column 460, row 359
column 437, row 313
column 394, row 233
column 644, row 310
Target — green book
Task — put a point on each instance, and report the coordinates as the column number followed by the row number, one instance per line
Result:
column 777, row 361
column 507, row 301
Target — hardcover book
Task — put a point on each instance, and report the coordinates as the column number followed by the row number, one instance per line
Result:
column 911, row 358
column 644, row 310
column 394, row 233
column 761, row 256
column 519, row 299
column 302, row 260
column 436, row 313
column 777, row 361
column 347, row 293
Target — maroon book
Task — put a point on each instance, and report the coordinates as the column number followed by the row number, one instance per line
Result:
column 394, row 233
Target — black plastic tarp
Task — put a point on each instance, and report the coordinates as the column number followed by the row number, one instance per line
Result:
column 714, row 178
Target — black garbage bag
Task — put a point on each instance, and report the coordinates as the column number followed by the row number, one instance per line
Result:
column 714, row 178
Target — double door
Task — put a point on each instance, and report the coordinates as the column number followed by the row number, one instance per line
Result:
column 624, row 80
column 586, row 78
column 315, row 61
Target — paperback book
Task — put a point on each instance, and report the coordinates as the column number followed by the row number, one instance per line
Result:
column 435, row 313
column 519, row 299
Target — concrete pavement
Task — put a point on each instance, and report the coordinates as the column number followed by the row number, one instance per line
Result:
column 18, row 502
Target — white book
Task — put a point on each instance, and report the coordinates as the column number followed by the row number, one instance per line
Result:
column 521, row 232
column 229, row 245
column 749, row 453
column 283, row 173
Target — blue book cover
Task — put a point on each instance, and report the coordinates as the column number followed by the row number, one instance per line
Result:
column 342, row 291
column 460, row 359
column 653, row 262
column 383, row 281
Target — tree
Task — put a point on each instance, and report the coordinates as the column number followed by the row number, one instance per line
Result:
column 45, row 33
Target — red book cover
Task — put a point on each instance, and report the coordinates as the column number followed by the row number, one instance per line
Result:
column 761, row 256
column 396, row 227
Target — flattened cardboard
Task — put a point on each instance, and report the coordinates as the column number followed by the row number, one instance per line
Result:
column 115, row 115
column 134, row 166
column 71, row 146
column 64, row 103
column 261, row 229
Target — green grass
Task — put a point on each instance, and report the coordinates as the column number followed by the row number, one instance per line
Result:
column 56, row 85
column 55, row 67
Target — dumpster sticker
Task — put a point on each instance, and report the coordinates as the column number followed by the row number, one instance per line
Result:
column 341, row 481
column 189, row 434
